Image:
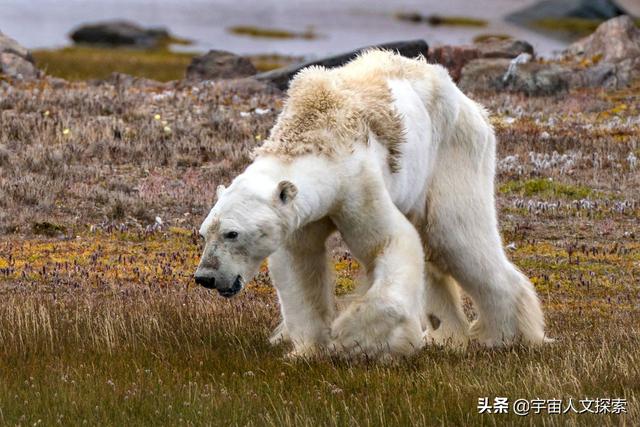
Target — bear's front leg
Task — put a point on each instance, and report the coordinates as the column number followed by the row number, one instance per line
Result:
column 302, row 276
column 386, row 320
column 377, row 326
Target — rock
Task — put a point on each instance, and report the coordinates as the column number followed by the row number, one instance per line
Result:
column 608, row 58
column 280, row 77
column 531, row 78
column 615, row 40
column 611, row 54
column 15, row 60
column 219, row 64
column 454, row 58
column 120, row 33
column 9, row 45
column 504, row 48
column 610, row 75
column 558, row 9
column 17, row 67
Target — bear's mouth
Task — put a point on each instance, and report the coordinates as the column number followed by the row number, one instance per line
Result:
column 233, row 290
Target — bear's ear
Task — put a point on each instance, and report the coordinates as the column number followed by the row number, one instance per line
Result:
column 219, row 190
column 286, row 192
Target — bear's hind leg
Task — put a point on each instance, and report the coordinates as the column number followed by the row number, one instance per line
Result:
column 462, row 233
column 506, row 301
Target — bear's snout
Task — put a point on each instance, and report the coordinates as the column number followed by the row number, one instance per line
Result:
column 207, row 282
column 226, row 290
column 231, row 291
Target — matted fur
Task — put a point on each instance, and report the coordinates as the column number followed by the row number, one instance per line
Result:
column 329, row 110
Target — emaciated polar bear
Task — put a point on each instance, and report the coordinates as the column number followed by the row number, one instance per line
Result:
column 389, row 152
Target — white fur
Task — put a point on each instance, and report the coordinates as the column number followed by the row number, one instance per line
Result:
column 418, row 232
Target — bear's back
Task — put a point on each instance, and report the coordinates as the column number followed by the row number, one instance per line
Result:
column 329, row 110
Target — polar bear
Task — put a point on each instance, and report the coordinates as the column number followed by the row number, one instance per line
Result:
column 389, row 152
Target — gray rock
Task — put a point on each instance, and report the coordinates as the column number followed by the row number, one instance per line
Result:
column 9, row 45
column 17, row 67
column 454, row 58
column 614, row 51
column 608, row 58
column 504, row 48
column 15, row 60
column 615, row 40
column 610, row 75
column 119, row 33
column 586, row 9
column 219, row 64
column 281, row 77
column 532, row 78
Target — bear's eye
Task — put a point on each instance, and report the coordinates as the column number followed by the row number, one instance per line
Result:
column 230, row 235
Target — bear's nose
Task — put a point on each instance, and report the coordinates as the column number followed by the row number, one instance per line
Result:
column 207, row 282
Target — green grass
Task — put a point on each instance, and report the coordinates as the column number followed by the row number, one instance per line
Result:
column 136, row 344
column 271, row 33
column 543, row 187
column 83, row 62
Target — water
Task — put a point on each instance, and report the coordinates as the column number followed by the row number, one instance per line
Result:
column 342, row 25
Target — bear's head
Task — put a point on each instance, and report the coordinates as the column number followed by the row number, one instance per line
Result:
column 248, row 223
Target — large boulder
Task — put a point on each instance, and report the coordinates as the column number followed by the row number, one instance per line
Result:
column 560, row 9
column 9, row 45
column 528, row 77
column 120, row 33
column 15, row 60
column 610, row 75
column 454, row 58
column 219, row 64
column 17, row 67
column 281, row 77
column 615, row 40
column 611, row 54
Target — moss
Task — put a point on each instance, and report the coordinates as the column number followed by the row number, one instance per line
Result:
column 271, row 33
column 435, row 20
column 574, row 26
column 272, row 62
column 546, row 188
column 481, row 38
column 455, row 21
column 84, row 62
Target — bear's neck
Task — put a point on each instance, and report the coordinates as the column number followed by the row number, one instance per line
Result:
column 314, row 177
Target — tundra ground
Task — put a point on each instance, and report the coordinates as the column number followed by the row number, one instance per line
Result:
column 103, row 185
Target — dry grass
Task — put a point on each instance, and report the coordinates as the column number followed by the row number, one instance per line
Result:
column 100, row 321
